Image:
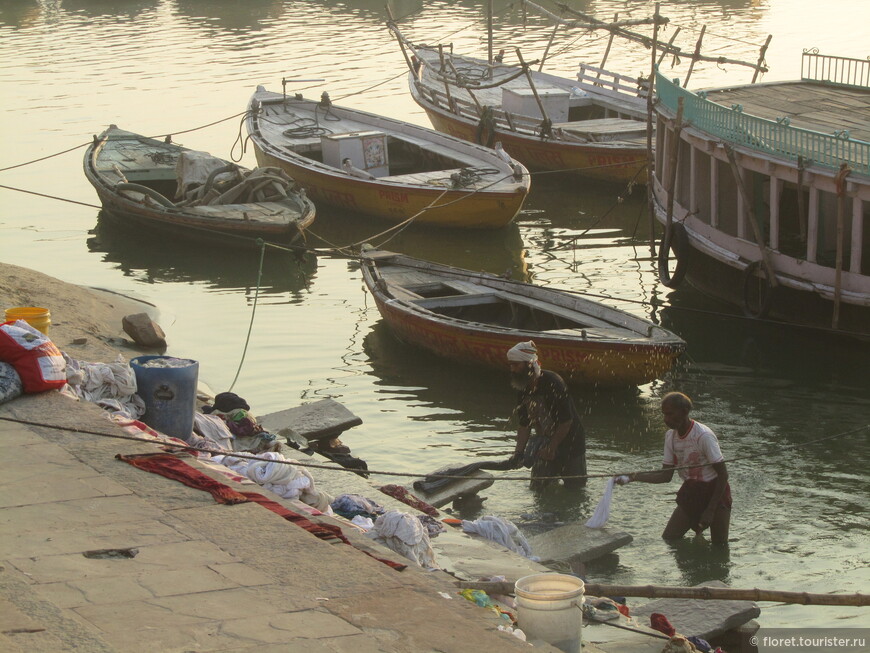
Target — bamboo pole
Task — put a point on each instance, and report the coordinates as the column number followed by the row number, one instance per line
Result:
column 759, row 238
column 670, row 45
column 649, row 134
column 841, row 218
column 761, row 57
column 489, row 32
column 696, row 55
column 532, row 85
column 607, row 49
column 702, row 593
column 549, row 45
column 673, row 164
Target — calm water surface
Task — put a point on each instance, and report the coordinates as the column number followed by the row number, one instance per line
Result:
column 68, row 69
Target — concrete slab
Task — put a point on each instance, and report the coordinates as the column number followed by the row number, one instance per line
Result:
column 706, row 619
column 576, row 543
column 476, row 482
column 319, row 420
column 77, row 512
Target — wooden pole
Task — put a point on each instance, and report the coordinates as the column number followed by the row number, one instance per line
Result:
column 695, row 56
column 401, row 44
column 669, row 45
column 673, row 164
column 649, row 135
column 702, row 593
column 841, row 218
column 761, row 58
column 759, row 239
column 532, row 85
column 549, row 44
column 609, row 43
column 489, row 31
column 802, row 211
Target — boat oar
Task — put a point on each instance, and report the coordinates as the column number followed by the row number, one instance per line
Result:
column 703, row 593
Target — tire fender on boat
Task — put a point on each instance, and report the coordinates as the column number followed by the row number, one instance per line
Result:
column 674, row 240
column 150, row 192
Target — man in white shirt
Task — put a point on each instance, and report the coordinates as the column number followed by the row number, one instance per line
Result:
column 704, row 500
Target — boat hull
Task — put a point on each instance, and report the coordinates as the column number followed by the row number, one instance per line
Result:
column 396, row 203
column 598, row 364
column 614, row 164
column 585, row 342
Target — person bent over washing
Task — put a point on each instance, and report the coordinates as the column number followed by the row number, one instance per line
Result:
column 558, row 448
column 704, row 500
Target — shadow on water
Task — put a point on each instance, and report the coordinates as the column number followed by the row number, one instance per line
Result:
column 156, row 258
column 96, row 8
column 20, row 13
column 245, row 16
column 498, row 251
column 723, row 341
column 699, row 561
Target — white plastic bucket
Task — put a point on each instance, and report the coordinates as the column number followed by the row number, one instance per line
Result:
column 549, row 608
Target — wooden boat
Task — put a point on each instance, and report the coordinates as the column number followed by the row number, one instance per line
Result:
column 594, row 126
column 772, row 204
column 136, row 176
column 385, row 168
column 475, row 317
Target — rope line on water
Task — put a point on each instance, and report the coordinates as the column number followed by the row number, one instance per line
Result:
column 235, row 454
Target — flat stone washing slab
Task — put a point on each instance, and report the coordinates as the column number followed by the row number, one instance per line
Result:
column 704, row 618
column 476, row 482
column 319, row 420
column 576, row 543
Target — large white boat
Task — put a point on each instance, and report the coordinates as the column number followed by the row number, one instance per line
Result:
column 764, row 190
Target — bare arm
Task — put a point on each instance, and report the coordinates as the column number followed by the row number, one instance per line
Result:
column 523, row 433
column 664, row 475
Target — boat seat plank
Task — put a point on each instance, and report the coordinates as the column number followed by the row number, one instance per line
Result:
column 603, row 126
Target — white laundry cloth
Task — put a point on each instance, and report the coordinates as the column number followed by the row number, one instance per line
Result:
column 602, row 511
column 502, row 531
column 214, row 429
column 96, row 382
column 403, row 533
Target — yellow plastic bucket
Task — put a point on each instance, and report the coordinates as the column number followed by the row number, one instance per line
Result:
column 38, row 318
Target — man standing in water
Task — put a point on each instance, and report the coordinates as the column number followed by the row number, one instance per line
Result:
column 558, row 448
column 704, row 500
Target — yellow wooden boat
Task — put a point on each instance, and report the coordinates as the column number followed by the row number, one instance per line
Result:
column 382, row 167
column 475, row 317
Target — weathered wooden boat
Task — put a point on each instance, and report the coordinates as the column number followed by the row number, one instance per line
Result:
column 135, row 177
column 475, row 317
column 769, row 199
column 594, row 126
column 383, row 167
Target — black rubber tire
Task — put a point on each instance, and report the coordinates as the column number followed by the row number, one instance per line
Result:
column 766, row 297
column 676, row 241
column 150, row 192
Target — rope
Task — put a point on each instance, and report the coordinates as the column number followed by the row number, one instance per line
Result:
column 774, row 449
column 49, row 156
column 51, row 197
column 253, row 313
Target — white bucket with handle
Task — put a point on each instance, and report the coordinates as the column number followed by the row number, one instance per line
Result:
column 550, row 608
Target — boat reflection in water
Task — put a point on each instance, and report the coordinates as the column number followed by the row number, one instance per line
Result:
column 232, row 16
column 153, row 258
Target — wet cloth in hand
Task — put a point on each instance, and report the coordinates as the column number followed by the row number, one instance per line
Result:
column 602, row 510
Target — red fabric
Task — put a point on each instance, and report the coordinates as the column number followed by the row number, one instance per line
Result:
column 659, row 622
column 171, row 466
column 400, row 493
column 37, row 359
column 623, row 609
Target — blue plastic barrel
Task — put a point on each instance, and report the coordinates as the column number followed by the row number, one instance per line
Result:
column 169, row 394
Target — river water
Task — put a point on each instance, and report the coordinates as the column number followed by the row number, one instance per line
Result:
column 69, row 68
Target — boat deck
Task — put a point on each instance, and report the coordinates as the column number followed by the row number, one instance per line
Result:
column 809, row 105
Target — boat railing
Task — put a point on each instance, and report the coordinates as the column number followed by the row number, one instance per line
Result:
column 612, row 84
column 776, row 137
column 838, row 71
